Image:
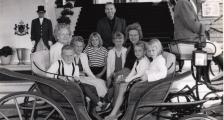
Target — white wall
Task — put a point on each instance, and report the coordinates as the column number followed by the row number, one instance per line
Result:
column 13, row 11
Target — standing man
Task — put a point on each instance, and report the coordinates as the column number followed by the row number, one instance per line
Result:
column 41, row 31
column 187, row 27
column 109, row 25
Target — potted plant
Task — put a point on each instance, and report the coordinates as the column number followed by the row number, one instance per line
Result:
column 6, row 55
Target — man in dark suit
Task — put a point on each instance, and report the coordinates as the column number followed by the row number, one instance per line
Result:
column 109, row 25
column 41, row 31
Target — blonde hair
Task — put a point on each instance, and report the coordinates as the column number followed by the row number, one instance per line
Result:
column 94, row 35
column 155, row 42
column 60, row 27
column 135, row 26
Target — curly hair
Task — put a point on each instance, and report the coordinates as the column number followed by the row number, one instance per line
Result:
column 77, row 39
column 134, row 26
column 95, row 35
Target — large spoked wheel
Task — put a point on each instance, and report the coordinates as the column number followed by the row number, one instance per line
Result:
column 198, row 117
column 36, row 106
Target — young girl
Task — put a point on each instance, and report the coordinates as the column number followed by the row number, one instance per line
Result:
column 97, row 55
column 63, row 36
column 138, row 70
column 116, row 56
column 157, row 68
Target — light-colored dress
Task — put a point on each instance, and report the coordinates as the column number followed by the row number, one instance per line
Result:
column 90, row 78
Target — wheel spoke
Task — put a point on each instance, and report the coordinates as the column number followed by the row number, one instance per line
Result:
column 3, row 116
column 49, row 114
column 33, row 110
column 18, row 110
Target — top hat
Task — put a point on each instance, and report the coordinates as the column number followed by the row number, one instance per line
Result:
column 41, row 9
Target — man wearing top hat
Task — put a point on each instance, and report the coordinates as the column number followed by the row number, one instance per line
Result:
column 41, row 31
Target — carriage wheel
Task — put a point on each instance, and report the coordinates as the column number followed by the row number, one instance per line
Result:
column 198, row 117
column 37, row 106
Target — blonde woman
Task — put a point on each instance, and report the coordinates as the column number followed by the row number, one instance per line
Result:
column 97, row 55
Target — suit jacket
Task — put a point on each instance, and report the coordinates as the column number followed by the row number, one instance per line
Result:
column 43, row 31
column 186, row 22
column 103, row 28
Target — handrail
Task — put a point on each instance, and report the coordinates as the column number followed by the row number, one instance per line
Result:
column 54, row 73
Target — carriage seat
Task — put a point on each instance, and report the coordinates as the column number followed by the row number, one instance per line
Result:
column 171, row 66
column 40, row 61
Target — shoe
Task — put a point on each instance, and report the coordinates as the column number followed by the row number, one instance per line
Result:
column 106, row 108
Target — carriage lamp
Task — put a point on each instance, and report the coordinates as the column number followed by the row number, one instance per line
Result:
column 200, row 58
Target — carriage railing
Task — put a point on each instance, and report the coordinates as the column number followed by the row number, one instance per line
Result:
column 68, row 78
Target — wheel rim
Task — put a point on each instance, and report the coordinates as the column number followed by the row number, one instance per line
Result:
column 198, row 118
column 36, row 104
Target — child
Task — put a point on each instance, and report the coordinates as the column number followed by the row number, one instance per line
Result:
column 97, row 55
column 66, row 67
column 157, row 68
column 138, row 70
column 86, row 74
column 116, row 56
column 63, row 36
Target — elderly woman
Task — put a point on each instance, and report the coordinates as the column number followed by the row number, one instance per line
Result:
column 63, row 36
column 85, row 73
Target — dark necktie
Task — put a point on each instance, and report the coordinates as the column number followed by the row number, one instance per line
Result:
column 137, row 62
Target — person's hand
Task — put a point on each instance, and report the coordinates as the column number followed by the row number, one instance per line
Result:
column 50, row 43
column 207, row 27
column 120, row 78
column 33, row 42
column 64, row 78
column 77, row 79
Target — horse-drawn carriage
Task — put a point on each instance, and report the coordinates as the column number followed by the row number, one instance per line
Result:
column 55, row 99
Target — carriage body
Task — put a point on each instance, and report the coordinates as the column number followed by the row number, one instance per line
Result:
column 144, row 100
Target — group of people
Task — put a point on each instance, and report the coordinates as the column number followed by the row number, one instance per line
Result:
column 114, row 54
column 97, row 66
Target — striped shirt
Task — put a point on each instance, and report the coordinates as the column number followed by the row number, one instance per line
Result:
column 96, row 57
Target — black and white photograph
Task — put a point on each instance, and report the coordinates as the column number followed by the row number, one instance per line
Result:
column 111, row 59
